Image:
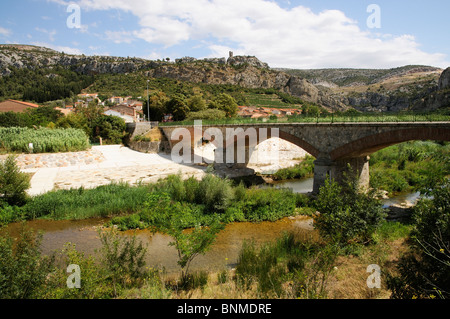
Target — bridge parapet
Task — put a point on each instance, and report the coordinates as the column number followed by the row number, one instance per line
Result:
column 334, row 145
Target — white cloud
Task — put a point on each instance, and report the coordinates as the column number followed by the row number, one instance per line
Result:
column 297, row 37
column 51, row 34
column 5, row 32
column 119, row 36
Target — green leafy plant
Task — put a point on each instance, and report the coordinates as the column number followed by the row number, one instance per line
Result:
column 13, row 183
column 347, row 215
column 23, row 271
column 424, row 272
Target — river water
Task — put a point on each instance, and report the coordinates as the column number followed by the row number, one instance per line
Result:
column 223, row 254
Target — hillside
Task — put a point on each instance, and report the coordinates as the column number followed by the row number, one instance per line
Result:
column 408, row 87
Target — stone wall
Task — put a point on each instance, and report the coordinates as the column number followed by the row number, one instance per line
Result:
column 44, row 160
column 150, row 147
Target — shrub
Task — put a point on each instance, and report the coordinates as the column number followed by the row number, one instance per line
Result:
column 13, row 183
column 172, row 218
column 301, row 170
column 286, row 268
column 424, row 272
column 23, row 270
column 346, row 214
column 123, row 258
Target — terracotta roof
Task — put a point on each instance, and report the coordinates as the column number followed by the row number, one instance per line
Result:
column 25, row 103
column 16, row 106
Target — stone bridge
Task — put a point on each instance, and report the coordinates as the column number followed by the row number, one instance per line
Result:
column 336, row 146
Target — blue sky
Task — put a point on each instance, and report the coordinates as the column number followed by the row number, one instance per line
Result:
column 283, row 33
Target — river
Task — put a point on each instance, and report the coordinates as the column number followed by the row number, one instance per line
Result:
column 223, row 254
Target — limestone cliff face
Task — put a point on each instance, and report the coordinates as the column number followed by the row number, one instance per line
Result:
column 323, row 87
column 31, row 57
column 444, row 80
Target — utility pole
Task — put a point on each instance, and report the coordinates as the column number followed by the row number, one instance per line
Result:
column 148, row 104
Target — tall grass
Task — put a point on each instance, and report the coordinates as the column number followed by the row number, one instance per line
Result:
column 287, row 268
column 409, row 166
column 102, row 201
column 44, row 140
column 301, row 170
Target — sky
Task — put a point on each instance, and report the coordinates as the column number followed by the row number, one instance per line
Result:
column 300, row 34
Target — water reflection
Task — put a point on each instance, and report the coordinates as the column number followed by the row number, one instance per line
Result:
column 222, row 255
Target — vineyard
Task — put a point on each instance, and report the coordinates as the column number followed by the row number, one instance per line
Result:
column 43, row 140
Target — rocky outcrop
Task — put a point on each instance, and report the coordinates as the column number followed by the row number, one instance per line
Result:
column 31, row 57
column 316, row 86
column 238, row 61
column 444, row 80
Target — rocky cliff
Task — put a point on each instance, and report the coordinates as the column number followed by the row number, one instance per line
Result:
column 411, row 87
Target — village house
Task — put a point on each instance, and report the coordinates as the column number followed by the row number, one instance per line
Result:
column 128, row 113
column 89, row 97
column 116, row 100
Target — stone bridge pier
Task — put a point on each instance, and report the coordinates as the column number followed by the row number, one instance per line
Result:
column 339, row 148
column 325, row 168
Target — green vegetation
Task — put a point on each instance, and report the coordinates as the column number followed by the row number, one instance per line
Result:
column 17, row 139
column 201, row 202
column 13, row 184
column 409, row 166
column 41, row 116
column 82, row 203
column 25, row 273
column 42, row 85
column 90, row 119
column 287, row 268
column 166, row 216
column 211, row 200
column 347, row 215
column 301, row 170
column 314, row 114
column 424, row 271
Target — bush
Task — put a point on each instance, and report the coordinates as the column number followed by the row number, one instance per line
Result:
column 23, row 271
column 424, row 272
column 268, row 204
column 13, row 183
column 286, row 268
column 346, row 214
column 301, row 170
column 112, row 129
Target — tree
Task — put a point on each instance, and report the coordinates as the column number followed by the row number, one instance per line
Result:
column 74, row 120
column 196, row 103
column 158, row 106
column 13, row 183
column 92, row 111
column 177, row 107
column 311, row 110
column 226, row 103
column 110, row 128
column 168, row 216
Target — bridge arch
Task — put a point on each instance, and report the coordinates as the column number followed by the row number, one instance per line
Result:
column 281, row 134
column 372, row 143
column 241, row 142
